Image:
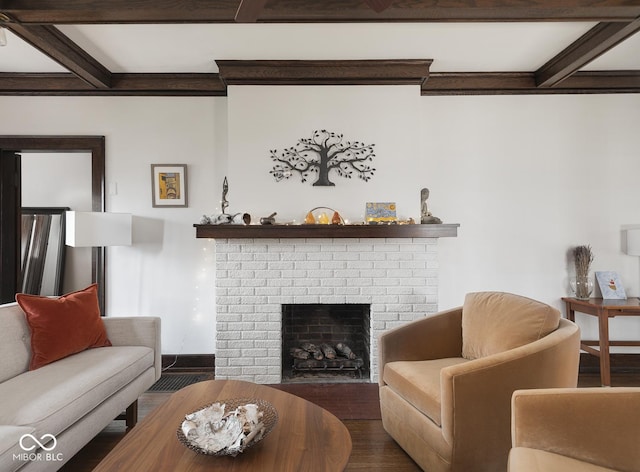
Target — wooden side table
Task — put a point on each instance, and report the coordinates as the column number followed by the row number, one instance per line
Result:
column 603, row 309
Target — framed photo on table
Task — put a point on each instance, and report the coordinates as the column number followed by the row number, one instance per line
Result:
column 169, row 185
column 610, row 285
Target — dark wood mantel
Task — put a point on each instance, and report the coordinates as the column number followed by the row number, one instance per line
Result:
column 326, row 231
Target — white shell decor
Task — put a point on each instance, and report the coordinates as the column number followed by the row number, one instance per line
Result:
column 227, row 427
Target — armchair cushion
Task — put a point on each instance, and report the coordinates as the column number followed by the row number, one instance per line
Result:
column 418, row 382
column 524, row 459
column 595, row 426
column 494, row 322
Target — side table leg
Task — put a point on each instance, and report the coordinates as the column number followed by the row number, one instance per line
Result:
column 605, row 364
column 571, row 314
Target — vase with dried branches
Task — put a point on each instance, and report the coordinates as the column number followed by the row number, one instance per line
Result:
column 582, row 284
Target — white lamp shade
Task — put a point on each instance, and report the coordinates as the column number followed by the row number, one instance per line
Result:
column 633, row 242
column 95, row 229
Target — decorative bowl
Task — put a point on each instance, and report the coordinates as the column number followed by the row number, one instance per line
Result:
column 252, row 433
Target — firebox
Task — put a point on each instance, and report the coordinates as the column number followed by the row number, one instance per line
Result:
column 326, row 342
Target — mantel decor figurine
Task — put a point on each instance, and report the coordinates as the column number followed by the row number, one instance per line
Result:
column 225, row 218
column 425, row 215
column 269, row 220
column 323, row 218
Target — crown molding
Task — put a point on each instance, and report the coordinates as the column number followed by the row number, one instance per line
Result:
column 524, row 83
column 340, row 72
column 439, row 83
column 121, row 84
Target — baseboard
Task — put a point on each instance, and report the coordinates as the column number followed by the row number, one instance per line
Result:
column 188, row 363
column 620, row 363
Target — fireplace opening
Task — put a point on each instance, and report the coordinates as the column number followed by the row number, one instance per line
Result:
column 326, row 343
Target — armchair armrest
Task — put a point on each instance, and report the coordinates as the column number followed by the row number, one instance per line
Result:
column 476, row 395
column 596, row 425
column 433, row 337
column 136, row 331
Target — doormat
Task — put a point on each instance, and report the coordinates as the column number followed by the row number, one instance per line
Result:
column 174, row 382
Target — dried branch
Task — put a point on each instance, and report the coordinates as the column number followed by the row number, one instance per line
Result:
column 583, row 258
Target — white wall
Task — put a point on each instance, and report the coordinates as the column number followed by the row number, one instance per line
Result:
column 167, row 271
column 527, row 177
column 262, row 118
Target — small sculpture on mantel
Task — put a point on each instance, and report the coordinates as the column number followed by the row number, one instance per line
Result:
column 224, row 203
column 269, row 220
column 225, row 218
column 425, row 215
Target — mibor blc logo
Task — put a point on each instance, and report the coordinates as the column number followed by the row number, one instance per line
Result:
column 30, row 443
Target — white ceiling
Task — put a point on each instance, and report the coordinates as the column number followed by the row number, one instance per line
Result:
column 454, row 47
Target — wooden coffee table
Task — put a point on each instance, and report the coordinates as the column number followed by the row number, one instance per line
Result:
column 306, row 438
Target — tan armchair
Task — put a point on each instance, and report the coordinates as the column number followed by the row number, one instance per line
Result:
column 446, row 380
column 582, row 429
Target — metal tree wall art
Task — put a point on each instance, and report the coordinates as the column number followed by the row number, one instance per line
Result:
column 323, row 152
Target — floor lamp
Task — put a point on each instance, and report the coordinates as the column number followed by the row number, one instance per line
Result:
column 98, row 230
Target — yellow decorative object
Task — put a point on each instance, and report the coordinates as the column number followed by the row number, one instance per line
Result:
column 310, row 219
column 323, row 217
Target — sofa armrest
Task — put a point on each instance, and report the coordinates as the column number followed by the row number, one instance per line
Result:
column 136, row 331
column 476, row 395
column 436, row 336
column 596, row 425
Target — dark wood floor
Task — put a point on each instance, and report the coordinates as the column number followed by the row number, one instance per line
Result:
column 355, row 404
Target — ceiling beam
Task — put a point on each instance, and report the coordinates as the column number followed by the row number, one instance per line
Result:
column 592, row 44
column 65, row 52
column 325, row 72
column 200, row 11
column 249, row 11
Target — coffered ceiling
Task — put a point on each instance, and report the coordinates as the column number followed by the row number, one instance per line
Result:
column 198, row 47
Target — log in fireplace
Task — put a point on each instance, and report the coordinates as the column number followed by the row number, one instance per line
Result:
column 326, row 342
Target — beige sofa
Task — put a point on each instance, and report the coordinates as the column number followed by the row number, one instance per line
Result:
column 64, row 404
column 446, row 380
column 571, row 430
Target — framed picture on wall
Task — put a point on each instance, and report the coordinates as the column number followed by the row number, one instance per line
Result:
column 169, row 185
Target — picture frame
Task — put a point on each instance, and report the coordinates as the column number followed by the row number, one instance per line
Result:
column 380, row 212
column 610, row 285
column 169, row 185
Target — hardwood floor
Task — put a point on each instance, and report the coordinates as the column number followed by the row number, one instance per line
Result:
column 355, row 404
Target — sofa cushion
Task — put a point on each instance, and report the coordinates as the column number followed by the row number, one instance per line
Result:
column 10, row 445
column 418, row 382
column 523, row 459
column 494, row 322
column 41, row 400
column 15, row 344
column 63, row 326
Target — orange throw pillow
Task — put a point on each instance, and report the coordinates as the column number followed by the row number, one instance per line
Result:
column 63, row 326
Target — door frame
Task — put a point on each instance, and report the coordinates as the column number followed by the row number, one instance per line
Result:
column 95, row 146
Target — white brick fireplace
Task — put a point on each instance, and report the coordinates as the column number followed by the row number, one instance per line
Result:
column 398, row 277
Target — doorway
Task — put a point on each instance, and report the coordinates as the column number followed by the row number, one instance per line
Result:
column 10, row 202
